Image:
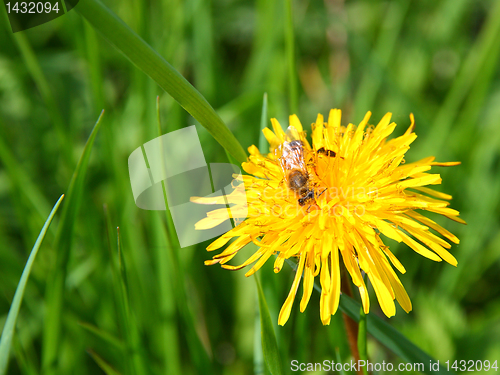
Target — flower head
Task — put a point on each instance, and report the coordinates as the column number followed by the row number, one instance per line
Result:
column 328, row 203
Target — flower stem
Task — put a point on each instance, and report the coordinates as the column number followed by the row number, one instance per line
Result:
column 351, row 326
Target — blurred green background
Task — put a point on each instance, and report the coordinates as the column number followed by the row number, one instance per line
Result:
column 437, row 59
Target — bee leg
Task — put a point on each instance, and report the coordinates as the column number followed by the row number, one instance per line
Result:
column 321, row 193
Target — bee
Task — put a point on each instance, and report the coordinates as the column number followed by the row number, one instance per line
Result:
column 326, row 152
column 292, row 160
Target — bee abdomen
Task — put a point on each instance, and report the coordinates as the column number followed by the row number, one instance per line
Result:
column 297, row 181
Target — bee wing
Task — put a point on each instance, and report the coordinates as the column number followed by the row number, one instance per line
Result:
column 291, row 152
column 292, row 134
column 292, row 157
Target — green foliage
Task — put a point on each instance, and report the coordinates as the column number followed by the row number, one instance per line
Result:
column 62, row 247
column 151, row 63
column 10, row 323
column 165, row 312
column 269, row 345
column 362, row 338
column 388, row 336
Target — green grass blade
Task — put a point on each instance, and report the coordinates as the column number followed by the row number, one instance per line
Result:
column 380, row 58
column 263, row 145
column 266, row 51
column 131, row 330
column 269, row 344
column 236, row 108
column 258, row 356
column 290, row 55
column 337, row 337
column 203, row 48
column 31, row 194
column 338, row 358
column 10, row 324
column 122, row 314
column 62, row 246
column 109, row 338
column 178, row 290
column 472, row 68
column 94, row 65
column 362, row 338
column 42, row 83
column 199, row 354
column 156, row 67
column 27, row 364
column 390, row 337
column 106, row 367
column 166, row 326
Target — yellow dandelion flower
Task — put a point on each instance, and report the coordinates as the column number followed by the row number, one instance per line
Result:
column 331, row 201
